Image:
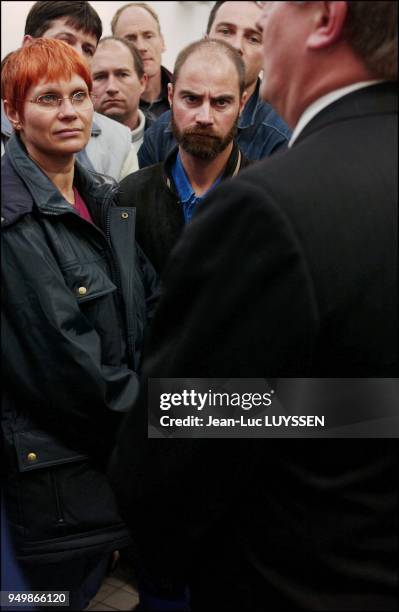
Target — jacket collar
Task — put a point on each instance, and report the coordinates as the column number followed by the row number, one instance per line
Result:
column 372, row 100
column 6, row 128
column 166, row 78
column 16, row 200
column 234, row 163
column 248, row 115
column 25, row 185
column 315, row 107
column 44, row 194
column 95, row 128
column 138, row 132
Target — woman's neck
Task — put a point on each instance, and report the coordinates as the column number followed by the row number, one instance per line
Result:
column 63, row 180
column 60, row 171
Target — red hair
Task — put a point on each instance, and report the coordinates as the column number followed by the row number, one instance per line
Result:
column 47, row 58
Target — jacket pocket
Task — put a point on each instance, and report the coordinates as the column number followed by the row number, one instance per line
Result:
column 37, row 449
column 97, row 299
column 41, row 510
column 56, row 492
column 88, row 281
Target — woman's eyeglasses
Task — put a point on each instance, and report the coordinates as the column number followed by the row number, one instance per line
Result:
column 81, row 100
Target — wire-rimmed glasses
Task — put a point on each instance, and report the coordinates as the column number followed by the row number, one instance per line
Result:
column 80, row 100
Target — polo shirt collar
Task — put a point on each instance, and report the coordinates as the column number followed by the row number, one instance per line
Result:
column 183, row 185
column 181, row 181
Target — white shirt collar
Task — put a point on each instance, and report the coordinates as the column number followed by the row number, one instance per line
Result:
column 138, row 131
column 324, row 101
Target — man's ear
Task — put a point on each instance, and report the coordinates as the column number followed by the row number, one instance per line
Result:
column 143, row 82
column 329, row 19
column 243, row 100
column 13, row 115
column 27, row 39
column 163, row 44
column 170, row 93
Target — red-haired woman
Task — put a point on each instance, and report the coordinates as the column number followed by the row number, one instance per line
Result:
column 76, row 292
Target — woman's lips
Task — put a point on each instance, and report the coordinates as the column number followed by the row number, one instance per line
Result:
column 67, row 133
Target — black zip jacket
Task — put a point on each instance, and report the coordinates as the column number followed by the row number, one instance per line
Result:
column 76, row 298
column 160, row 219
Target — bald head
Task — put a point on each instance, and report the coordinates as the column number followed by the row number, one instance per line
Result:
column 212, row 51
column 139, row 24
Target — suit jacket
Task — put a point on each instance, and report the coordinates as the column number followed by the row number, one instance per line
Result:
column 290, row 274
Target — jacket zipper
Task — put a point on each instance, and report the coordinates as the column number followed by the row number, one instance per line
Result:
column 115, row 272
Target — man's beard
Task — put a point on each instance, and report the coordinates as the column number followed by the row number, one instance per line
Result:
column 201, row 142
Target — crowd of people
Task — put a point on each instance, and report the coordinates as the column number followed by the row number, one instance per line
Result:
column 235, row 217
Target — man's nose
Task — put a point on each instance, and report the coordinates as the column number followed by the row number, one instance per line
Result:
column 141, row 44
column 204, row 114
column 112, row 85
column 236, row 42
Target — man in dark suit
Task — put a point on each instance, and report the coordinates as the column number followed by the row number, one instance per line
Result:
column 290, row 272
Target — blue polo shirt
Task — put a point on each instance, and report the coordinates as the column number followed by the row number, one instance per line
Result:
column 187, row 198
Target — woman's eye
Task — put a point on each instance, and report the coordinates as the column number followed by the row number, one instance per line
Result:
column 79, row 96
column 48, row 99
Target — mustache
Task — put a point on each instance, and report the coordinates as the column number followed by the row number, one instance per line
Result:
column 199, row 132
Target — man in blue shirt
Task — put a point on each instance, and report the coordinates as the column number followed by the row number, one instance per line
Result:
column 207, row 98
column 189, row 200
column 260, row 130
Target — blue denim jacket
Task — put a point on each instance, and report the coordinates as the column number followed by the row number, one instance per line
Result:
column 260, row 132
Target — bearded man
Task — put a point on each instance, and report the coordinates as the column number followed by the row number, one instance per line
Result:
column 206, row 97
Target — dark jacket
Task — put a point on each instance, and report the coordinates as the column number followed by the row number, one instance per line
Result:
column 260, row 133
column 153, row 110
column 160, row 218
column 73, row 317
column 289, row 272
